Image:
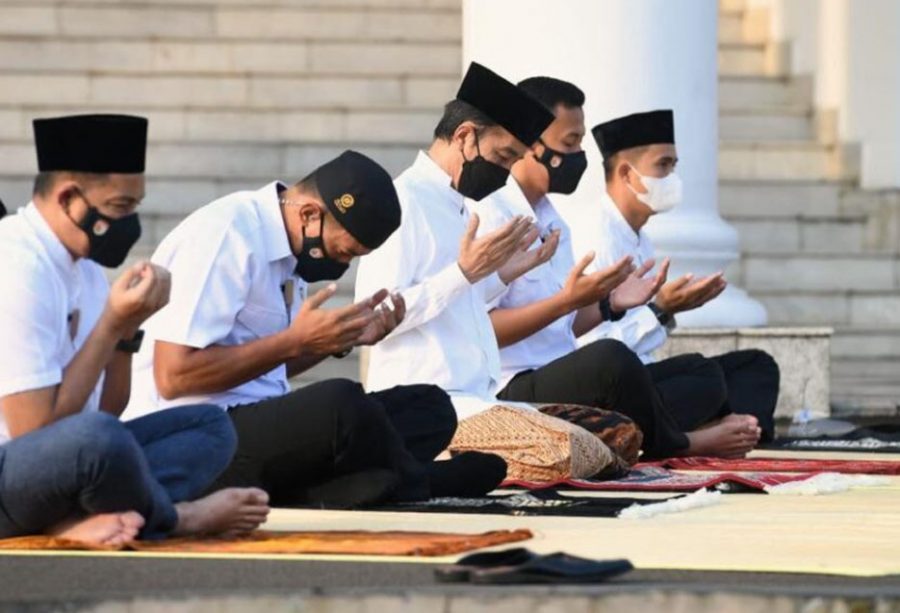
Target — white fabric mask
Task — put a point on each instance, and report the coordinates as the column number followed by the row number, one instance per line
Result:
column 663, row 194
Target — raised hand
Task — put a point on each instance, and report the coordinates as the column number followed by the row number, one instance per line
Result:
column 138, row 293
column 482, row 256
column 319, row 331
column 686, row 293
column 524, row 259
column 581, row 289
column 636, row 289
column 386, row 319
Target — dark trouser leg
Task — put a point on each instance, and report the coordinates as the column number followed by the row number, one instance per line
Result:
column 293, row 443
column 423, row 415
column 608, row 375
column 693, row 389
column 186, row 447
column 753, row 380
column 83, row 465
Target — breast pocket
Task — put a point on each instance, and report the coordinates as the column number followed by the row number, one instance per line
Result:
column 262, row 321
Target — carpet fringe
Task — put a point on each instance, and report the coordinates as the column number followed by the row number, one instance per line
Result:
column 696, row 500
column 826, row 483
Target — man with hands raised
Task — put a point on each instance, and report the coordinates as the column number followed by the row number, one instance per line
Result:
column 734, row 393
column 539, row 316
column 240, row 324
column 68, row 466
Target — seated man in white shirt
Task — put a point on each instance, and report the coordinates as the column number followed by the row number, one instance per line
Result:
column 68, row 466
column 240, row 323
column 540, row 315
column 639, row 158
column 435, row 262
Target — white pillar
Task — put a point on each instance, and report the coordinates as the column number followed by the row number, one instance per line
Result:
column 629, row 56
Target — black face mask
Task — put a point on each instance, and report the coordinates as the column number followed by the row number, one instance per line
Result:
column 479, row 177
column 110, row 239
column 564, row 177
column 313, row 263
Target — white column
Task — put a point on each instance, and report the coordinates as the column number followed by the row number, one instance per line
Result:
column 629, row 56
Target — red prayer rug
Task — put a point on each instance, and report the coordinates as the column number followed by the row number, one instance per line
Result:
column 779, row 465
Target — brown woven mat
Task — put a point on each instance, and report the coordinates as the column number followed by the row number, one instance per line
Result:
column 265, row 542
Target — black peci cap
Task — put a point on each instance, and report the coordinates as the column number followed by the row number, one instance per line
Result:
column 103, row 144
column 361, row 196
column 513, row 109
column 637, row 130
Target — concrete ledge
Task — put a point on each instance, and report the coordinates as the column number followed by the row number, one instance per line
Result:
column 803, row 355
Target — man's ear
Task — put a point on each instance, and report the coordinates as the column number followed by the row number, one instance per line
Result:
column 309, row 212
column 64, row 192
column 464, row 133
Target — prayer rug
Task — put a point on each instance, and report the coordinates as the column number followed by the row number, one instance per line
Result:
column 651, row 478
column 799, row 465
column 524, row 504
column 426, row 544
column 876, row 438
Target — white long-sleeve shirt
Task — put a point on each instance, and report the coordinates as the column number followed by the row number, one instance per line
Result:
column 446, row 338
column 612, row 239
column 556, row 339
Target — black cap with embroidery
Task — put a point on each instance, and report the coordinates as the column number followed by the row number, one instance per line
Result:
column 513, row 109
column 361, row 196
column 103, row 144
column 637, row 130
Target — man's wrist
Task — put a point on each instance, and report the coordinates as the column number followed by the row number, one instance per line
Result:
column 665, row 318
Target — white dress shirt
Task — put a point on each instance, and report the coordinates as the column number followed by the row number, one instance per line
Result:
column 446, row 338
column 612, row 239
column 230, row 262
column 48, row 306
column 557, row 339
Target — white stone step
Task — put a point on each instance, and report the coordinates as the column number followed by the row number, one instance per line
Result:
column 410, row 126
column 240, row 93
column 754, row 93
column 191, row 21
column 753, row 59
column 805, row 161
column 732, row 6
column 766, row 125
column 789, row 199
column 866, row 386
column 831, row 308
column 331, row 4
column 235, row 160
column 867, row 343
column 834, row 273
column 802, row 235
column 262, row 55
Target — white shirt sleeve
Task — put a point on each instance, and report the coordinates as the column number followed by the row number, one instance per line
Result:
column 31, row 331
column 639, row 329
column 210, row 281
column 393, row 267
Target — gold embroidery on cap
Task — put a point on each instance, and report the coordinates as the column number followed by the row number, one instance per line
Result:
column 344, row 202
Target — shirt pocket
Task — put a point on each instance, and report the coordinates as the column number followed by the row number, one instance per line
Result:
column 262, row 321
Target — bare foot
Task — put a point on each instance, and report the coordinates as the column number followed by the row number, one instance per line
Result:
column 106, row 530
column 732, row 437
column 229, row 512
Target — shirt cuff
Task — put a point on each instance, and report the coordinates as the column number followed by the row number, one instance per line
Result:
column 648, row 321
column 493, row 288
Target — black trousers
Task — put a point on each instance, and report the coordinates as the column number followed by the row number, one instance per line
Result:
column 323, row 432
column 608, row 375
column 697, row 389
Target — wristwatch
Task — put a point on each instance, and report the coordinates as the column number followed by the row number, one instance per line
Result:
column 608, row 313
column 665, row 319
column 342, row 354
column 131, row 345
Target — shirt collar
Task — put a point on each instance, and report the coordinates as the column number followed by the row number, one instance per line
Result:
column 428, row 169
column 619, row 223
column 48, row 238
column 269, row 204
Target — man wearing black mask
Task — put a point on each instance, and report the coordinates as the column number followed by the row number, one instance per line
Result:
column 68, row 466
column 240, row 324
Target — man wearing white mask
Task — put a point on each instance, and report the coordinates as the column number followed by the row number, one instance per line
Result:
column 738, row 389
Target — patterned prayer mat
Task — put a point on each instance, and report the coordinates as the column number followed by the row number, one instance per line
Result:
column 366, row 543
column 798, row 465
column 651, row 478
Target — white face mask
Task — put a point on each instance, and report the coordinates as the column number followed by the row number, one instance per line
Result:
column 663, row 194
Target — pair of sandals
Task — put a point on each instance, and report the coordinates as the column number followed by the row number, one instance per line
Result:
column 520, row 565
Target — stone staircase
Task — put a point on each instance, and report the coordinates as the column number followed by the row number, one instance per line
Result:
column 240, row 92
column 816, row 249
